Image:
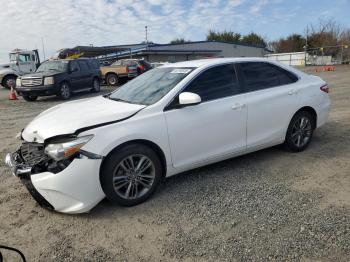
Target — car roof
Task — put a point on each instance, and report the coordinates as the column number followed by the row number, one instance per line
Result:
column 214, row 61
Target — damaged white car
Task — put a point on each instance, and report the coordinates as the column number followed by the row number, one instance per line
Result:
column 171, row 119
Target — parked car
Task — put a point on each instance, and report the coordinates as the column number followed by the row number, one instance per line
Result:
column 61, row 78
column 171, row 119
column 117, row 73
column 141, row 64
column 158, row 64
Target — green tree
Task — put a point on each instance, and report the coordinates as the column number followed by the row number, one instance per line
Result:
column 179, row 41
column 226, row 36
column 254, row 39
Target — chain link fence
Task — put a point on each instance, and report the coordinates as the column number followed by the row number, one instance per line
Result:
column 321, row 56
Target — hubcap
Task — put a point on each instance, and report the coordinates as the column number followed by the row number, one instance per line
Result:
column 112, row 80
column 11, row 82
column 301, row 132
column 65, row 91
column 133, row 177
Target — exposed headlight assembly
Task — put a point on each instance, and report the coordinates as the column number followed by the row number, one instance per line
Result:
column 48, row 80
column 64, row 150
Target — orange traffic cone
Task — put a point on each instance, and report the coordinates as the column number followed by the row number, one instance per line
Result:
column 12, row 95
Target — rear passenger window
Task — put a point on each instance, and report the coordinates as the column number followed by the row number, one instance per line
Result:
column 73, row 66
column 214, row 83
column 83, row 65
column 260, row 75
column 284, row 76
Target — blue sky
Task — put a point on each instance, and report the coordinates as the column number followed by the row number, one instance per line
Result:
column 67, row 23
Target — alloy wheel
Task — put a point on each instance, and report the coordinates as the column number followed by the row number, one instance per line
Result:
column 65, row 92
column 134, row 176
column 302, row 131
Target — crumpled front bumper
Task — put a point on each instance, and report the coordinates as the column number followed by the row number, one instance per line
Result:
column 76, row 189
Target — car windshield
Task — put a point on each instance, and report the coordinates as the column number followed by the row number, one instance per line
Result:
column 60, row 66
column 151, row 86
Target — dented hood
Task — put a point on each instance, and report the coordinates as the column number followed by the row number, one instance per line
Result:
column 69, row 117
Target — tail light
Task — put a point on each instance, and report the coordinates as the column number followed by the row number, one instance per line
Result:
column 325, row 88
column 141, row 67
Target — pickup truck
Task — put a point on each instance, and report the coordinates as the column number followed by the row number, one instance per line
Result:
column 117, row 72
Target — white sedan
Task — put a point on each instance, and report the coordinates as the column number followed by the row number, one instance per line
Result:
column 171, row 119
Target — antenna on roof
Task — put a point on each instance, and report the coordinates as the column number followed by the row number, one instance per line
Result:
column 146, row 34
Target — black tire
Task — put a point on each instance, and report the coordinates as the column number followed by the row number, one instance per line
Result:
column 8, row 80
column 64, row 91
column 96, row 85
column 299, row 134
column 30, row 98
column 112, row 79
column 112, row 169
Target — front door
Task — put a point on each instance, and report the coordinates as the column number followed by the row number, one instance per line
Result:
column 214, row 128
column 25, row 63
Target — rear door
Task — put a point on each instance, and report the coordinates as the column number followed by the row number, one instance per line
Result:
column 272, row 99
column 85, row 74
column 75, row 75
column 212, row 129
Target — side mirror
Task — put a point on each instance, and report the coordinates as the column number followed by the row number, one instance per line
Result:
column 189, row 99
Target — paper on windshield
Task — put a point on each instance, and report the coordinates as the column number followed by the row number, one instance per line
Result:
column 180, row 71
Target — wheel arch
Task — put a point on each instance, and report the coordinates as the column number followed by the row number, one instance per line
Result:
column 144, row 142
column 310, row 110
column 7, row 75
column 111, row 73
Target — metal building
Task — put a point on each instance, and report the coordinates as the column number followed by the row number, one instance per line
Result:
column 187, row 51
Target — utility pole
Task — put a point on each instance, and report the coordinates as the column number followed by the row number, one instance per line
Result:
column 42, row 42
column 146, row 34
column 341, row 54
column 307, row 33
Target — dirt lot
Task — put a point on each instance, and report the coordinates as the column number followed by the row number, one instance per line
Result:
column 269, row 205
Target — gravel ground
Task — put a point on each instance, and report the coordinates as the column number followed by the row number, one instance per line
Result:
column 268, row 205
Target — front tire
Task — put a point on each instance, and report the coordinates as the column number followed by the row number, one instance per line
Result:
column 30, row 98
column 64, row 91
column 131, row 174
column 300, row 131
column 9, row 81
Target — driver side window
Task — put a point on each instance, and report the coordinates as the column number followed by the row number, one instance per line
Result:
column 214, row 83
column 23, row 57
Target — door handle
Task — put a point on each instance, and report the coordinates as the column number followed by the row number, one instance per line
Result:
column 292, row 92
column 237, row 106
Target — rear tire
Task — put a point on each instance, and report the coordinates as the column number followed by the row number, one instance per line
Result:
column 96, row 85
column 300, row 131
column 30, row 98
column 112, row 80
column 131, row 174
column 64, row 91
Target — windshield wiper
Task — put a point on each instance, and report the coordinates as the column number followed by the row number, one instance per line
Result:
column 118, row 99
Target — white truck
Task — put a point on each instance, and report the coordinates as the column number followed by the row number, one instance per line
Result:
column 21, row 62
